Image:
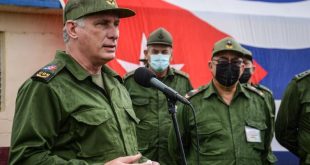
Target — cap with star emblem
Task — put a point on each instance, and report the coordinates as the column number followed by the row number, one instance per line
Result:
column 227, row 44
column 160, row 36
column 247, row 54
column 75, row 9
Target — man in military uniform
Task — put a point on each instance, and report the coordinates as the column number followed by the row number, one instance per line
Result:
column 75, row 110
column 293, row 119
column 246, row 79
column 232, row 127
column 150, row 104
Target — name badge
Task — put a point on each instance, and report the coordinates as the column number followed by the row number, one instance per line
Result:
column 252, row 134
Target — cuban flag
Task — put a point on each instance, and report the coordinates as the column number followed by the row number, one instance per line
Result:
column 276, row 31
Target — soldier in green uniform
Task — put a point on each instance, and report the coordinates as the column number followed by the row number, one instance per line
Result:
column 150, row 105
column 75, row 110
column 246, row 79
column 293, row 119
column 231, row 121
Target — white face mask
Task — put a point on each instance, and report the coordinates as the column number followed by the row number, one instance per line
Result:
column 160, row 62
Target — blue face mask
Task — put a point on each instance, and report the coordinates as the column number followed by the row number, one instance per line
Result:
column 160, row 62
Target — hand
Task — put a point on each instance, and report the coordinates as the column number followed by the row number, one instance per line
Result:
column 130, row 160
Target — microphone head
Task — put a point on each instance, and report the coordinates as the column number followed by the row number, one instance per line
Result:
column 143, row 76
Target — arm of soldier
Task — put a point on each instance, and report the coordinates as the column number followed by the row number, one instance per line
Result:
column 35, row 126
column 270, row 158
column 286, row 125
column 173, row 146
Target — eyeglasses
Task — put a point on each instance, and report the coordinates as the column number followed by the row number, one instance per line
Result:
column 225, row 61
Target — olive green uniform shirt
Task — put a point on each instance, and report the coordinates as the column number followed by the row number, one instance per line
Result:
column 62, row 117
column 293, row 119
column 221, row 128
column 151, row 107
column 272, row 110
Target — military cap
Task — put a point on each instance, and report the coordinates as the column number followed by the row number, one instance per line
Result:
column 75, row 9
column 160, row 36
column 227, row 44
column 247, row 54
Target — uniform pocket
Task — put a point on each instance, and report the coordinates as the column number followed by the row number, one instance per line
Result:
column 261, row 126
column 139, row 101
column 209, row 128
column 141, row 107
column 132, row 115
column 92, row 116
column 95, row 127
column 211, row 138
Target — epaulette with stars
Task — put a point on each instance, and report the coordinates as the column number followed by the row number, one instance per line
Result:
column 196, row 91
column 48, row 72
column 252, row 88
column 263, row 88
column 302, row 75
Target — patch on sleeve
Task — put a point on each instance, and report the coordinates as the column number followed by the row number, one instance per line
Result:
column 46, row 73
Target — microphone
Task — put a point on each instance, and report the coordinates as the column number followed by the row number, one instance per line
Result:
column 146, row 78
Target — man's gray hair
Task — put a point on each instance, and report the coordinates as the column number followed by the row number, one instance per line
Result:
column 79, row 22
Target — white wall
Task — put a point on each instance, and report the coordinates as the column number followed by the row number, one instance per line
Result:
column 29, row 42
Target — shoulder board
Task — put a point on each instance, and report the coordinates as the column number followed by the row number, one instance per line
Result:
column 180, row 73
column 129, row 74
column 196, row 91
column 253, row 89
column 263, row 88
column 302, row 75
column 48, row 72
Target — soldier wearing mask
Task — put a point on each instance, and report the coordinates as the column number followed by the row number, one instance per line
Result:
column 246, row 80
column 232, row 126
column 149, row 104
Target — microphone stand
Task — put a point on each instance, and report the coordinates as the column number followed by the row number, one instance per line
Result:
column 172, row 111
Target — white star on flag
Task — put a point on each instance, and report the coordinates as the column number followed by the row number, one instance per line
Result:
column 128, row 66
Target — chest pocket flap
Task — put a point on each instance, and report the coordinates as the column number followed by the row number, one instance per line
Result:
column 139, row 101
column 209, row 128
column 132, row 115
column 92, row 116
column 255, row 124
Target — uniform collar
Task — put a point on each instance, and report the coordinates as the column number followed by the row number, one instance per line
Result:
column 75, row 68
column 108, row 71
column 210, row 90
column 241, row 91
column 170, row 73
column 78, row 71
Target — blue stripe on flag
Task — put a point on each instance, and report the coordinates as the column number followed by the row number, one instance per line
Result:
column 282, row 65
column 286, row 158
